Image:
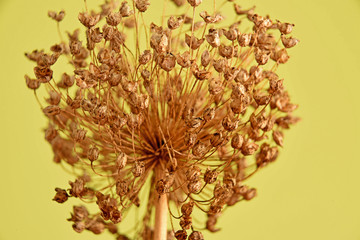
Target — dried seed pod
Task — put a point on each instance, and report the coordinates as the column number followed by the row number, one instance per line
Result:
column 52, row 110
column 200, row 74
column 54, row 98
column 50, row 133
column 138, row 169
column 285, row 28
column 210, row 176
column 199, row 149
column 216, row 139
column 88, row 20
column 167, row 62
column 278, row 137
column 184, row 59
column 240, row 11
column 250, row 194
column 125, row 9
column 190, row 139
column 205, row 58
column 61, row 195
column 193, row 174
column 193, row 42
column 230, row 125
column 195, row 235
column 193, row 122
column 262, row 57
column 213, row 38
column 122, row 188
column 181, row 235
column 79, row 226
column 121, row 160
column 32, row 83
column 226, row 51
column 289, row 42
column 194, row 3
column 231, row 34
column 210, row 19
column 220, row 64
column 78, row 135
column 142, row 5
column 57, row 16
column 174, row 23
column 237, row 141
column 280, row 56
column 93, row 154
column 209, row 114
column 113, row 19
column 215, row 87
column 43, row 74
column 186, row 222
column 145, row 57
column 244, row 39
column 187, row 208
column 249, row 148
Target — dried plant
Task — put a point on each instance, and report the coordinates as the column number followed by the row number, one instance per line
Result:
column 191, row 111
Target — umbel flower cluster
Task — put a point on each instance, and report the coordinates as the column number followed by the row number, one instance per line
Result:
column 182, row 114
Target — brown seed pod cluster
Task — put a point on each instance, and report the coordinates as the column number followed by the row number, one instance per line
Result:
column 200, row 103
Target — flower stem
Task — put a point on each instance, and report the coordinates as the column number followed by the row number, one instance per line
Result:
column 161, row 208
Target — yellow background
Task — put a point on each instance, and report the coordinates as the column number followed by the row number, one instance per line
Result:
column 311, row 192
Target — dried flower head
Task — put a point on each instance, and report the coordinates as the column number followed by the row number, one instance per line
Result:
column 184, row 119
